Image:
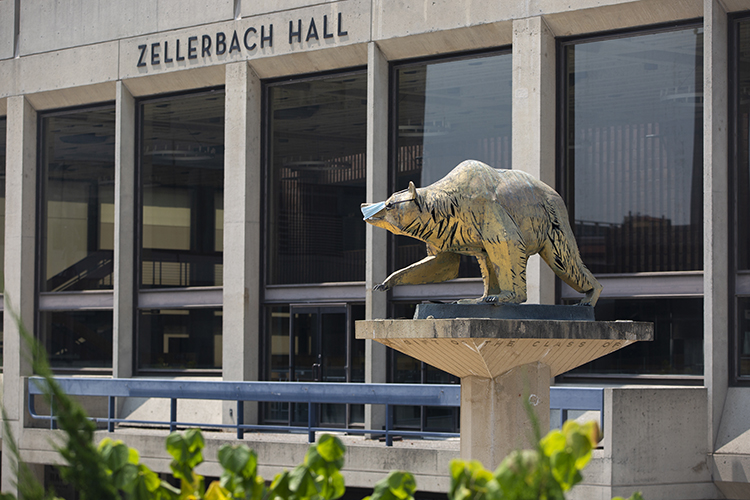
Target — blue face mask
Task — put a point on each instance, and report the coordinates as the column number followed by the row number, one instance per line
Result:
column 371, row 210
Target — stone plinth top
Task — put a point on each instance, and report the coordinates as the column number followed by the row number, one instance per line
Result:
column 490, row 347
column 504, row 311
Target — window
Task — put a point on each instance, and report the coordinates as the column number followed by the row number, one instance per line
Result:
column 404, row 369
column 316, row 179
column 444, row 112
column 740, row 107
column 633, row 157
column 632, row 170
column 181, row 179
column 315, row 164
column 76, row 240
column 314, row 343
column 182, row 189
column 3, row 138
column 180, row 338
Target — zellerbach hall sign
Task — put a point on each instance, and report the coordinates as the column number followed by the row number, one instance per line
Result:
column 247, row 41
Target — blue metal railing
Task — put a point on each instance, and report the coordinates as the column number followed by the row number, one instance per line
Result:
column 313, row 394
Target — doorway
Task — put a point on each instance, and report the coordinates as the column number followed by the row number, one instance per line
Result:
column 315, row 343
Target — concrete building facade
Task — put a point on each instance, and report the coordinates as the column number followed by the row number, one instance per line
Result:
column 182, row 184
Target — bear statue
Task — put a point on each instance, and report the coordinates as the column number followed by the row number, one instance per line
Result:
column 501, row 217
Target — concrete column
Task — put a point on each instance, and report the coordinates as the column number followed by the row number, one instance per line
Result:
column 533, row 120
column 20, row 250
column 124, row 261
column 242, row 236
column 715, row 213
column 376, row 239
column 494, row 420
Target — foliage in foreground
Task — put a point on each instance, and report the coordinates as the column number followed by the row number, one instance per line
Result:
column 114, row 471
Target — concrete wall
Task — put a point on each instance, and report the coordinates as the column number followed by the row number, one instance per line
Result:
column 50, row 25
column 654, row 442
column 366, row 462
column 7, row 28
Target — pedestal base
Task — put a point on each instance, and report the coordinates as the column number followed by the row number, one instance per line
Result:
column 494, row 420
column 501, row 362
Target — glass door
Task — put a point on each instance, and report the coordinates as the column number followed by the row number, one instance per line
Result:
column 318, row 353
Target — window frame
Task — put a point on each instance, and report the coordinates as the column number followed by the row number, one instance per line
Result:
column 459, row 287
column 637, row 285
column 4, row 128
column 71, row 301
column 738, row 282
column 198, row 297
column 333, row 292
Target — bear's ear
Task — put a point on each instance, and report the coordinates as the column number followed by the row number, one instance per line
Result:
column 414, row 195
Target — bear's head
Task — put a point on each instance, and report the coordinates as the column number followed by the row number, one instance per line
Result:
column 397, row 213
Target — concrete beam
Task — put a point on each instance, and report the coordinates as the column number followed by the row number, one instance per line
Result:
column 242, row 233
column 123, row 339
column 20, row 252
column 376, row 240
column 533, row 124
column 715, row 213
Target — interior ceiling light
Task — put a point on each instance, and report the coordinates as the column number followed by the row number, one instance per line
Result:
column 317, row 165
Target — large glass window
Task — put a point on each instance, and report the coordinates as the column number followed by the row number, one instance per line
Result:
column 447, row 111
column 317, row 136
column 78, row 339
column 182, row 190
column 181, row 232
column 77, row 173
column 741, row 139
column 3, row 138
column 180, row 338
column 633, row 150
column 76, row 239
column 677, row 348
column 407, row 370
column 314, row 343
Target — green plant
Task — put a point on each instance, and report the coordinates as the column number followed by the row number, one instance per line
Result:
column 544, row 473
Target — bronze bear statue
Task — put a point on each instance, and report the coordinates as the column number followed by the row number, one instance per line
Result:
column 501, row 217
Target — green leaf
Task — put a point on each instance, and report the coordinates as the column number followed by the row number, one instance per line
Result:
column 280, row 487
column 398, row 485
column 331, row 449
column 133, row 456
column 339, row 487
column 302, row 483
column 216, row 492
column 236, row 459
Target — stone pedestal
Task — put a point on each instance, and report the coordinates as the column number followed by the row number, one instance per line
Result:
column 494, row 420
column 501, row 362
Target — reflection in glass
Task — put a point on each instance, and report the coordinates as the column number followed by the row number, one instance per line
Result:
column 77, row 175
column 448, row 112
column 634, row 152
column 742, row 138
column 182, row 189
column 743, row 327
column 2, row 219
column 3, row 138
column 317, row 141
column 180, row 338
column 77, row 339
column 407, row 370
column 677, row 348
column 314, row 344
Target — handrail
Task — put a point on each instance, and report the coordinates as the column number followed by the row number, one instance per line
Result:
column 313, row 393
